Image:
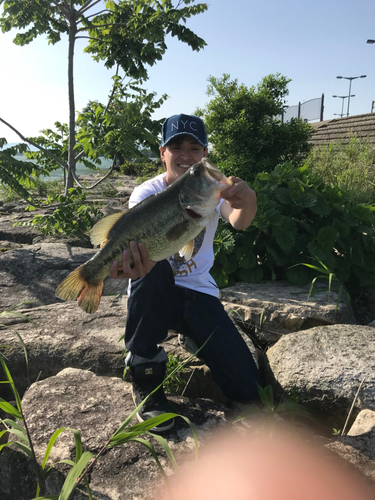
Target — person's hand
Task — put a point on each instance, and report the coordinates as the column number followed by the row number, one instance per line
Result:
column 240, row 205
column 141, row 263
column 239, row 194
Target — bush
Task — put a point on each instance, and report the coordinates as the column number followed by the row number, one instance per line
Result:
column 72, row 216
column 350, row 166
column 142, row 168
column 299, row 219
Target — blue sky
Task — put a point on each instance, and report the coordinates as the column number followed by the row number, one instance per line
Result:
column 310, row 42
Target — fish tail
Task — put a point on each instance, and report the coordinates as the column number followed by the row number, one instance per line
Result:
column 76, row 287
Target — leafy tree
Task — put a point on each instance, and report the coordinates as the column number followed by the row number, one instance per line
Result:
column 245, row 129
column 16, row 174
column 126, row 34
column 101, row 131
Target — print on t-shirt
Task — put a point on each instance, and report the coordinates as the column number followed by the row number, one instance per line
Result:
column 182, row 268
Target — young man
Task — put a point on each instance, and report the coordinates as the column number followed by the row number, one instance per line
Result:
column 178, row 295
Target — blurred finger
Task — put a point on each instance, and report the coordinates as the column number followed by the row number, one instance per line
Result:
column 114, row 270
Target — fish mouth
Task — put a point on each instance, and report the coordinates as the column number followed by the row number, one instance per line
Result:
column 191, row 213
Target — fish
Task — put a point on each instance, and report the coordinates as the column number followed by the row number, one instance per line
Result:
column 166, row 223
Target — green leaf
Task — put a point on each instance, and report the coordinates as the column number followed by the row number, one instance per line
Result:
column 13, row 387
column 285, row 236
column 283, row 195
column 327, row 237
column 24, row 448
column 253, row 275
column 266, row 395
column 71, row 479
column 51, row 442
column 167, row 449
column 8, row 408
column 20, row 434
column 138, row 429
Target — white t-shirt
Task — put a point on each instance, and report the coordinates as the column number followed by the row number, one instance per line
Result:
column 195, row 273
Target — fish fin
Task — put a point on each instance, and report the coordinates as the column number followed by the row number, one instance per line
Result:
column 99, row 233
column 187, row 251
column 75, row 287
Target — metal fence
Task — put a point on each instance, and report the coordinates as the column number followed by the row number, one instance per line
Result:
column 307, row 111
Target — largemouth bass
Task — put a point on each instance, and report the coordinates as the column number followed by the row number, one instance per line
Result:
column 166, row 223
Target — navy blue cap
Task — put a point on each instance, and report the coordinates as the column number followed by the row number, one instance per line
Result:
column 178, row 125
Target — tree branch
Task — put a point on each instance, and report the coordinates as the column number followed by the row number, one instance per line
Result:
column 93, row 26
column 90, row 38
column 63, row 7
column 87, row 6
column 99, row 181
column 98, row 13
column 112, row 93
column 45, row 151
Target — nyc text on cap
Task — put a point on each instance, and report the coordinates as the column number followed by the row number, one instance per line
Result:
column 184, row 125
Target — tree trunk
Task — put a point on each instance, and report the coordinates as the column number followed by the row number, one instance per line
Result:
column 72, row 122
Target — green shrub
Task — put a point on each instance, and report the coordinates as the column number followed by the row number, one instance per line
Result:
column 299, row 219
column 47, row 188
column 72, row 216
column 142, row 168
column 350, row 166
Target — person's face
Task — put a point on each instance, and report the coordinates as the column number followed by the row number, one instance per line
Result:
column 179, row 155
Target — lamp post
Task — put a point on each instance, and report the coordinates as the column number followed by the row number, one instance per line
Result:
column 343, row 97
column 350, row 78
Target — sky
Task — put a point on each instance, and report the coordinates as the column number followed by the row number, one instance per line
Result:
column 309, row 42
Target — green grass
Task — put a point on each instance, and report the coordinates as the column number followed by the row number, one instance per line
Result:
column 350, row 167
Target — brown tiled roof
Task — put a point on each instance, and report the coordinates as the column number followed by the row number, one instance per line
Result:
column 344, row 129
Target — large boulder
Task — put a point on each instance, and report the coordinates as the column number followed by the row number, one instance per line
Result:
column 96, row 407
column 58, row 336
column 324, row 366
column 31, row 273
column 274, row 308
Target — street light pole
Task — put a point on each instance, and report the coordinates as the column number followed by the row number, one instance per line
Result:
column 350, row 78
column 343, row 97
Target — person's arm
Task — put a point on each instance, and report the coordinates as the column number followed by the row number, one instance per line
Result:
column 239, row 206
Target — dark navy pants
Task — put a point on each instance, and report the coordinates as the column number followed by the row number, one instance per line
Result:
column 157, row 305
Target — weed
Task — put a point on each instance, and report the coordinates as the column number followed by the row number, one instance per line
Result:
column 325, row 274
column 271, row 409
column 175, row 383
column 84, row 461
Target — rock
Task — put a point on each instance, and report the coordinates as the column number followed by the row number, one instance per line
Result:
column 18, row 480
column 274, row 308
column 325, row 366
column 33, row 272
column 58, row 336
column 358, row 446
column 16, row 234
column 96, row 406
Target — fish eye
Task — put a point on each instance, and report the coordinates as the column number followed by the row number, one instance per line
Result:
column 196, row 173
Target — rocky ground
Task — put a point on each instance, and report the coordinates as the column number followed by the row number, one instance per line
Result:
column 309, row 352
